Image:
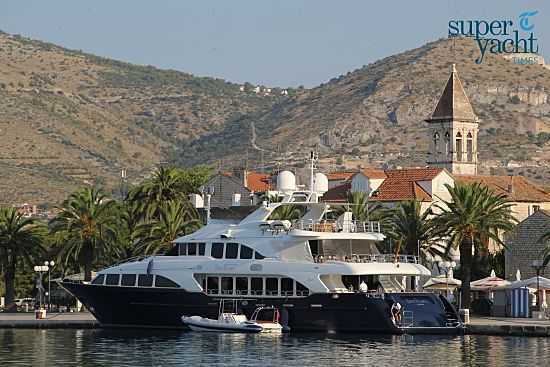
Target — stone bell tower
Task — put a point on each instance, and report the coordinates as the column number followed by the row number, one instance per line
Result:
column 452, row 131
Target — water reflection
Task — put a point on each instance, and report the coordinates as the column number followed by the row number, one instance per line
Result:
column 137, row 348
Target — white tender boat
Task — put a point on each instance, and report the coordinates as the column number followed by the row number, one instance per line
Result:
column 268, row 326
column 226, row 322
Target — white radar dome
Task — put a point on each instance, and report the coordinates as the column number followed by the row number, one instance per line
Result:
column 320, row 183
column 286, row 182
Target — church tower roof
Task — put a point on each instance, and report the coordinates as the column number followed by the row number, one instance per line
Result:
column 453, row 103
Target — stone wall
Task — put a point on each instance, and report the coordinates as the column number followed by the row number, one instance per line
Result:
column 522, row 246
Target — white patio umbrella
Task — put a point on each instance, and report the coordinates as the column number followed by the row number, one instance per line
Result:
column 441, row 282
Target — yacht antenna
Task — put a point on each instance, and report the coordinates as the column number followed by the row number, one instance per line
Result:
column 314, row 156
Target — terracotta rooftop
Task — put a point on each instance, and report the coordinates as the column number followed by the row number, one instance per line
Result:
column 516, row 188
column 337, row 193
column 414, row 174
column 343, row 175
column 453, row 103
column 372, row 173
column 258, row 181
column 399, row 189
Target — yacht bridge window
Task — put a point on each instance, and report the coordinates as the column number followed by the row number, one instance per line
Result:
column 99, row 279
column 232, row 250
column 254, row 286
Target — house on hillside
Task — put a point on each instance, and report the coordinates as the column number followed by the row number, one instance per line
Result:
column 28, row 210
column 523, row 246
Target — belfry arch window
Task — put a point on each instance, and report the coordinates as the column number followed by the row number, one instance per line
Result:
column 469, row 148
column 447, row 144
column 458, row 145
column 436, row 145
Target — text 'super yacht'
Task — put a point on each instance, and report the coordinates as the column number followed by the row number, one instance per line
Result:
column 315, row 271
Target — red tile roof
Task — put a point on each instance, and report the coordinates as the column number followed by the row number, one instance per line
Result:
column 371, row 173
column 522, row 190
column 337, row 193
column 258, row 181
column 414, row 174
column 343, row 175
column 399, row 189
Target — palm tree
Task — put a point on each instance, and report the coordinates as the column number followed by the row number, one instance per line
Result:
column 157, row 234
column 86, row 229
column 414, row 229
column 363, row 209
column 20, row 243
column 169, row 183
column 472, row 216
column 546, row 253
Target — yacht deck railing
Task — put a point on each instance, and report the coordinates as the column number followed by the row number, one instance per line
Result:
column 370, row 258
column 346, row 226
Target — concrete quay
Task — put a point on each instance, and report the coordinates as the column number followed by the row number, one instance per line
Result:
column 479, row 325
column 482, row 325
column 66, row 320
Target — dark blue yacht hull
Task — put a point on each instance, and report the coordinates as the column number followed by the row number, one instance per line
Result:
column 135, row 307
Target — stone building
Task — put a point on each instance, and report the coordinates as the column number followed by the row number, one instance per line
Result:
column 523, row 246
column 452, row 131
column 236, row 188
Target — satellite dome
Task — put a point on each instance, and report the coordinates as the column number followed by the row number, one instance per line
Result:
column 286, row 182
column 320, row 183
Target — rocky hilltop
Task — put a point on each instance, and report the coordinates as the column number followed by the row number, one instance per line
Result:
column 68, row 118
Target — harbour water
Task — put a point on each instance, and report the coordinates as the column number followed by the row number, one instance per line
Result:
column 92, row 347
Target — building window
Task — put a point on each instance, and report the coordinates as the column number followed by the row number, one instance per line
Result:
column 231, row 250
column 128, row 280
column 145, row 280
column 217, row 250
column 112, row 279
column 458, row 148
column 447, row 144
column 469, row 148
column 436, row 145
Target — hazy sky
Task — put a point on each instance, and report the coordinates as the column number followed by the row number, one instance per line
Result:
column 277, row 43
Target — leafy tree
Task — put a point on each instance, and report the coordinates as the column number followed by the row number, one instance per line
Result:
column 156, row 235
column 472, row 216
column 86, row 229
column 288, row 212
column 21, row 241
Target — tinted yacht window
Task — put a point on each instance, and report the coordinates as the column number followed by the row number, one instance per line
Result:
column 145, row 280
column 202, row 246
column 272, row 286
column 212, row 284
column 99, row 279
column 183, row 249
column 128, row 280
column 287, row 286
column 241, row 285
column 217, row 250
column 231, row 250
column 258, row 256
column 246, row 252
column 191, row 249
column 112, row 279
column 164, row 282
column 256, row 285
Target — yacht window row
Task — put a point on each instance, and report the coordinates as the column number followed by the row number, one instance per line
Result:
column 218, row 250
column 129, row 280
column 254, row 286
